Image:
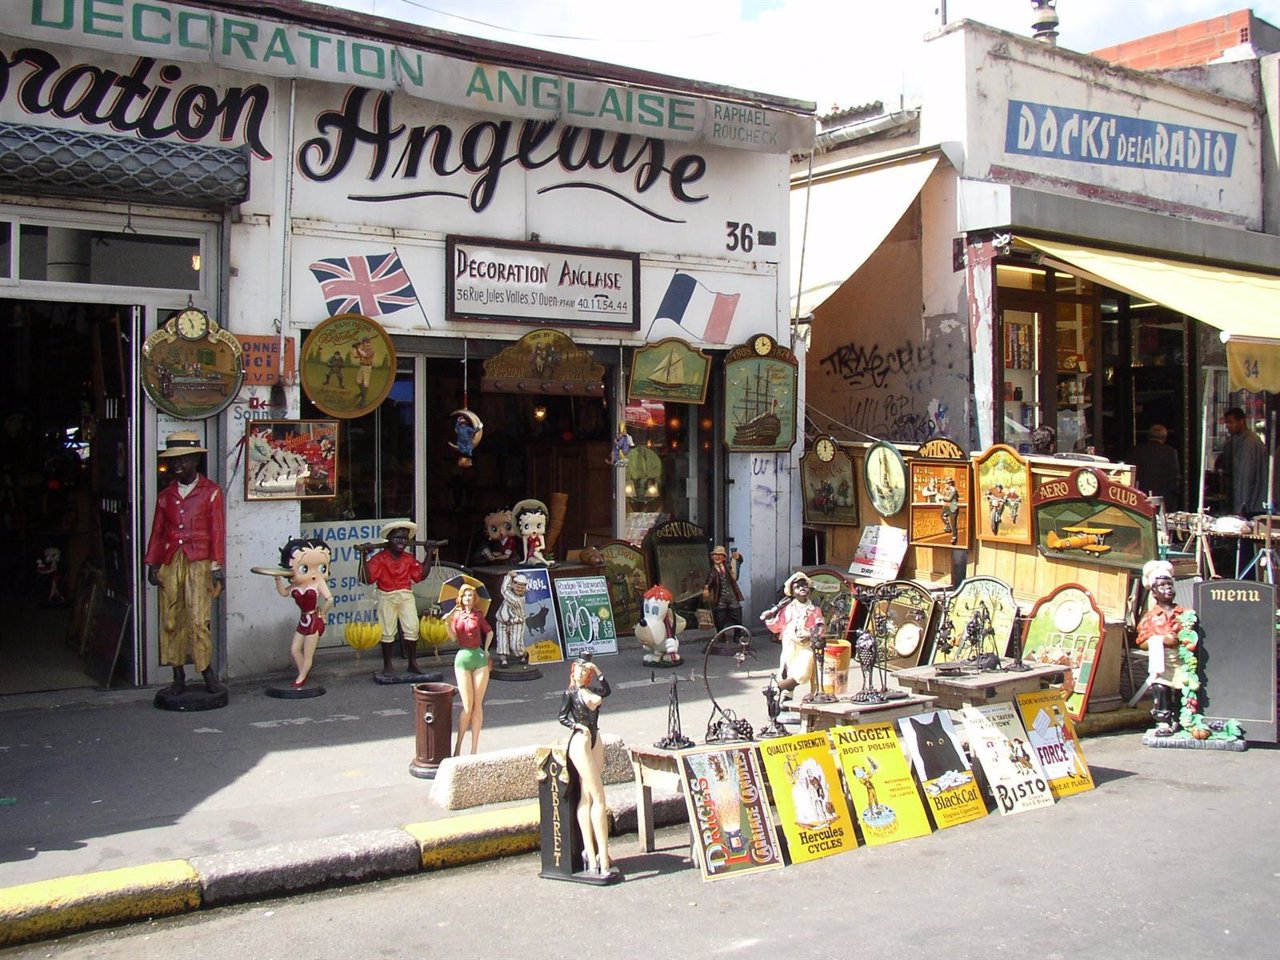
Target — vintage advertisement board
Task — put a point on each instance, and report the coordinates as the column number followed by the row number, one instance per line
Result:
column 1049, row 728
column 586, row 614
column 938, row 758
column 806, row 789
column 1085, row 517
column 627, row 576
column 729, row 816
column 760, row 385
column 885, row 797
column 1012, row 768
column 542, row 629
column 879, row 554
column 291, row 459
column 1066, row 628
column 941, row 499
column 1002, row 480
column 978, row 619
column 830, row 489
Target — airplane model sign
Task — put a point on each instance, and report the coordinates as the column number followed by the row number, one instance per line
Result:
column 1086, row 517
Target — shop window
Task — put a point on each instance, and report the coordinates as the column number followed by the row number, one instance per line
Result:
column 1076, row 377
column 108, row 257
column 1015, row 277
column 6, row 250
column 668, row 472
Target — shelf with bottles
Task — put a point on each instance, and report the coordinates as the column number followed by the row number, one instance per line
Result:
column 1075, row 390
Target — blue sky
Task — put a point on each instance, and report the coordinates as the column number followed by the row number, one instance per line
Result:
column 833, row 52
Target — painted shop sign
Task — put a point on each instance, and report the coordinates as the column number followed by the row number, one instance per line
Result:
column 525, row 283
column 1087, row 136
column 232, row 41
column 1085, row 517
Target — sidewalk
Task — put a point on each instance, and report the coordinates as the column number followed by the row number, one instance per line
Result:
column 112, row 810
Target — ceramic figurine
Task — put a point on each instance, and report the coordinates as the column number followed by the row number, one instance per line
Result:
column 721, row 591
column 580, row 712
column 501, row 545
column 393, row 570
column 511, row 630
column 530, row 518
column 50, row 566
column 468, row 432
column 308, row 584
column 471, row 632
column 797, row 621
column 659, row 630
column 1159, row 633
column 185, row 556
column 622, row 445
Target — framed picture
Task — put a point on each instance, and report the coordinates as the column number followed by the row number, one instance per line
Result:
column 348, row 366
column 884, row 475
column 901, row 620
column 941, row 503
column 586, row 615
column 826, row 478
column 1003, row 482
column 1087, row 518
column 760, row 381
column 670, row 371
column 192, row 369
column 291, row 459
column 627, row 576
column 978, row 618
column 1067, row 628
column 681, row 558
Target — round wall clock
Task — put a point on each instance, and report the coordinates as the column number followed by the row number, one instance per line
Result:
column 348, row 365
column 906, row 640
column 762, row 344
column 885, row 478
column 191, row 367
column 824, row 448
column 1087, row 483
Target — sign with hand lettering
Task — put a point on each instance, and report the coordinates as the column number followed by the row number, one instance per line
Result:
column 1088, row 518
column 885, row 797
column 805, row 780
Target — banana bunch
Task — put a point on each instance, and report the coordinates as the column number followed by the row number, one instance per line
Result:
column 432, row 631
column 362, row 636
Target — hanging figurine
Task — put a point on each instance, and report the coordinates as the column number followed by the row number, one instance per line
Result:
column 502, row 543
column 530, row 518
column 307, row 561
column 622, row 445
column 469, row 431
column 659, row 630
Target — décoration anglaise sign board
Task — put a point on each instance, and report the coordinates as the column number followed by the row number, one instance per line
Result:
column 174, row 31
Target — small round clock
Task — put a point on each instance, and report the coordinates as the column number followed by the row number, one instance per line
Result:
column 1087, row 483
column 762, row 345
column 824, row 448
column 192, row 324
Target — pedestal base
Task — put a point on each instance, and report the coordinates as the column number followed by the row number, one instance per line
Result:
column 1184, row 741
column 514, row 670
column 194, row 697
column 663, row 662
column 424, row 771
column 386, row 678
column 594, row 879
column 291, row 692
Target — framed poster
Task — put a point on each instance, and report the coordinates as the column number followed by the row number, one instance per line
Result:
column 348, row 366
column 1003, row 482
column 999, row 743
column 827, row 480
column 884, row 796
column 670, row 371
column 941, row 503
column 901, row 620
column 586, row 615
column 729, row 815
column 760, row 382
column 1087, row 518
column 1067, row 628
column 542, row 629
column 805, row 781
column 291, row 459
column 938, row 757
column 977, row 619
column 192, row 368
column 627, row 577
column 681, row 558
column 884, row 475
column 1053, row 737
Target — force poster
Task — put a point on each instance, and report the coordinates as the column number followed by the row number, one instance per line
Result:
column 806, row 788
column 1044, row 714
column 884, row 795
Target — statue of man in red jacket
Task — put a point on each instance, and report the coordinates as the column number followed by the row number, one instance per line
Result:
column 185, row 558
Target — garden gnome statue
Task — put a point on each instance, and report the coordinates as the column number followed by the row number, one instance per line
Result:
column 659, row 630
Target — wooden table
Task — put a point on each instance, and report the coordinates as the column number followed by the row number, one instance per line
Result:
column 954, row 691
column 653, row 767
column 821, row 716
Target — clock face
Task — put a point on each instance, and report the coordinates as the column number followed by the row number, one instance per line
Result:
column 1087, row 483
column 763, row 345
column 192, row 324
column 825, row 449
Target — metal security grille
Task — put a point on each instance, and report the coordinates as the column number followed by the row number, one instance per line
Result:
column 43, row 160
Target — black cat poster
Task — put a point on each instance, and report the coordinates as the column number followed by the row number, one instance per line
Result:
column 938, row 758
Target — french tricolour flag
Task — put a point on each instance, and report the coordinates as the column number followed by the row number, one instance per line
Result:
column 704, row 314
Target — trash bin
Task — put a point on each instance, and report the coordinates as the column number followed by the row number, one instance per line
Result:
column 433, row 711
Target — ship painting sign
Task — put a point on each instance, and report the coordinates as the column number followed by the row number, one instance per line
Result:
column 670, row 371
column 760, row 397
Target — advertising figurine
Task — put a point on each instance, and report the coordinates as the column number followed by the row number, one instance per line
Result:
column 797, row 621
column 1158, row 634
column 393, row 571
column 513, row 656
column 185, row 556
column 468, row 432
column 530, row 518
column 471, row 632
column 501, row 545
column 580, row 712
column 658, row 630
column 721, row 590
column 308, row 562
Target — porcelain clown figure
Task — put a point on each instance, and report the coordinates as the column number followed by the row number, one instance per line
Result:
column 659, row 631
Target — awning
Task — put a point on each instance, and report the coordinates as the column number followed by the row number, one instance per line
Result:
column 1245, row 306
column 847, row 219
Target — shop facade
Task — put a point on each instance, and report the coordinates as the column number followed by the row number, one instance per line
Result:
column 322, row 164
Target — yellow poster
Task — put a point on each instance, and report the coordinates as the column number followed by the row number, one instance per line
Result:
column 805, row 781
column 884, row 796
column 935, row 750
column 1044, row 714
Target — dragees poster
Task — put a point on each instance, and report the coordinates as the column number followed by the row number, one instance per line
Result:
column 938, row 757
column 729, row 814
column 884, row 795
column 805, row 781
column 1000, row 745
column 1052, row 734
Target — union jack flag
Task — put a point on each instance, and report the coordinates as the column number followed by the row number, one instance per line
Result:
column 371, row 286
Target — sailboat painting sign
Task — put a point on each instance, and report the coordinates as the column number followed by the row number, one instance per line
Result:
column 760, row 397
column 669, row 370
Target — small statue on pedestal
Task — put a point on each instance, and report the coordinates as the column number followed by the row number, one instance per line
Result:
column 530, row 517
column 659, row 631
column 307, row 561
column 1159, row 633
column 721, row 591
column 393, row 570
column 796, row 620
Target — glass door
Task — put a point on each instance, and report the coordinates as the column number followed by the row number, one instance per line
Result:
column 1021, row 377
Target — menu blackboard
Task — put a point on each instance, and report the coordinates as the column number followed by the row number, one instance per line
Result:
column 1237, row 654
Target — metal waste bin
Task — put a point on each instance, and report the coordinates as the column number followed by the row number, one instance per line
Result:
column 433, row 710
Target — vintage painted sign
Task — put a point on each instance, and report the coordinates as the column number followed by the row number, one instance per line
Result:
column 1053, row 736
column 586, row 615
column 880, row 552
column 760, row 379
column 729, row 816
column 1012, row 768
column 1066, row 628
column 542, row 629
column 938, row 757
column 830, row 489
column 1086, row 517
column 978, row 619
column 1003, row 499
column 263, row 365
column 806, row 789
column 941, row 499
column 530, row 283
column 884, row 794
